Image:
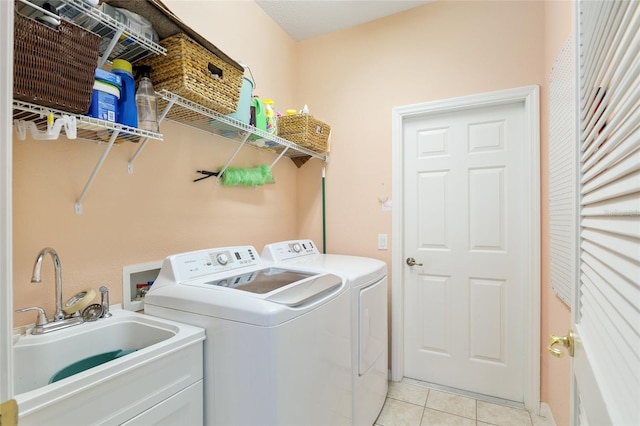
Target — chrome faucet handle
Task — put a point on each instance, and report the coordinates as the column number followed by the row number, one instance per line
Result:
column 42, row 316
column 104, row 301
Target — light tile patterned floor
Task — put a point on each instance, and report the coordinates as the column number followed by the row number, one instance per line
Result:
column 413, row 405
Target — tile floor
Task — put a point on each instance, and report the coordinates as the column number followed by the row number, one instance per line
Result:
column 414, row 405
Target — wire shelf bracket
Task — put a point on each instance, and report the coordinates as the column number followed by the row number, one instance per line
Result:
column 105, row 153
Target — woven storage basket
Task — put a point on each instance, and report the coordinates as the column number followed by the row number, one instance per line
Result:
column 54, row 67
column 304, row 130
column 188, row 70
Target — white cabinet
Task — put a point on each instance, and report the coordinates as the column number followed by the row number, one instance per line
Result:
column 160, row 378
column 184, row 408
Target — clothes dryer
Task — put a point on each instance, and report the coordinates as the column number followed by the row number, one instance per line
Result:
column 277, row 348
column 367, row 280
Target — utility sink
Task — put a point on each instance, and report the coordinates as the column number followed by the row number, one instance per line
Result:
column 110, row 369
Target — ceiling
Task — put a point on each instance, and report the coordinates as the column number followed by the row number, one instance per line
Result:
column 303, row 19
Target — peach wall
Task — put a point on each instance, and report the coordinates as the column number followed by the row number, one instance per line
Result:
column 157, row 210
column 556, row 316
column 246, row 33
column 352, row 79
column 440, row 50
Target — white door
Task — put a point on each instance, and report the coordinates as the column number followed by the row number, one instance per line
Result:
column 465, row 195
column 606, row 307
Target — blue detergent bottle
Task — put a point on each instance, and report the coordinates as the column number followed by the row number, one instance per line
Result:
column 127, row 110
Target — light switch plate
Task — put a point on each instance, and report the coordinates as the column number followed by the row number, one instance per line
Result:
column 382, row 242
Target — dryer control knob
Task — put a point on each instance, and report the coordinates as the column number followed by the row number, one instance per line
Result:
column 297, row 248
column 222, row 259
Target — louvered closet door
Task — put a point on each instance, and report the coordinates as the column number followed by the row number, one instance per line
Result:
column 607, row 313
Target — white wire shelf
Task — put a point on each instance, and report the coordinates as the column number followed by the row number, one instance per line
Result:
column 87, row 128
column 118, row 40
column 48, row 123
column 194, row 115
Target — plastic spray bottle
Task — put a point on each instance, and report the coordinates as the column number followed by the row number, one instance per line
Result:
column 270, row 115
column 146, row 101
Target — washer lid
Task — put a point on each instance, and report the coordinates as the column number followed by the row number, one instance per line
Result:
column 279, row 285
column 232, row 283
column 261, row 281
column 288, row 301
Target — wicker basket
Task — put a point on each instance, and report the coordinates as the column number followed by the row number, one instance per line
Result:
column 54, row 67
column 193, row 72
column 304, row 130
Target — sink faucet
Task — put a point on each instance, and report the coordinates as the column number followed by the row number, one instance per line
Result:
column 35, row 278
column 59, row 322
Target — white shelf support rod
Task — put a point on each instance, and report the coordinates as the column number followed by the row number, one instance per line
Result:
column 105, row 56
column 135, row 155
column 78, row 206
column 279, row 157
column 40, row 9
column 144, row 142
column 226, row 166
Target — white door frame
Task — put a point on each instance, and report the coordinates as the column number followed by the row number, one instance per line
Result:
column 530, row 96
column 6, row 239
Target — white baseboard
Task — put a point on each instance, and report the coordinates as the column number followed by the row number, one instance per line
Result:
column 545, row 415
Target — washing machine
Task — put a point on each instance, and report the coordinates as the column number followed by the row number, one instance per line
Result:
column 367, row 279
column 278, row 346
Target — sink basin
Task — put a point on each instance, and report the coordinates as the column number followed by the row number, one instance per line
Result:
column 38, row 358
column 127, row 356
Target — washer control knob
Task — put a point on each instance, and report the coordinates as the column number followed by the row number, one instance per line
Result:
column 222, row 259
column 297, row 248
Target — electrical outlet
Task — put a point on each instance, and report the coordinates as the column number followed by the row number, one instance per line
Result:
column 382, row 242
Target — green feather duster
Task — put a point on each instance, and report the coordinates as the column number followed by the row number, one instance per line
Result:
column 243, row 176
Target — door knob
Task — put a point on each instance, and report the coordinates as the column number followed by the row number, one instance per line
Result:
column 412, row 262
column 566, row 341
